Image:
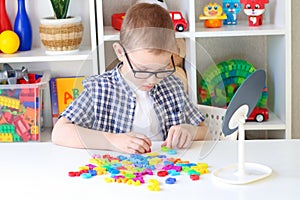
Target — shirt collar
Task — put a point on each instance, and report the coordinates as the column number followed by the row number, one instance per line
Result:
column 121, row 81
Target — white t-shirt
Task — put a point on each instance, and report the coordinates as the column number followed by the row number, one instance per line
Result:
column 145, row 119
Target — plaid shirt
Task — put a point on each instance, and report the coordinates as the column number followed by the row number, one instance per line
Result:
column 107, row 104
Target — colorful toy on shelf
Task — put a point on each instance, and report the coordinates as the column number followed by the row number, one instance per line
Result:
column 116, row 20
column 259, row 115
column 12, row 75
column 213, row 15
column 22, row 27
column 231, row 8
column 21, row 107
column 9, row 42
column 254, row 9
column 219, row 83
column 4, row 19
column 180, row 24
column 8, row 133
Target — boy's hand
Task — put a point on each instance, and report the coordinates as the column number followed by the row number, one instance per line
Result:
column 131, row 142
column 179, row 136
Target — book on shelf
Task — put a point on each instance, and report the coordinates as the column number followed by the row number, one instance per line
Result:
column 53, row 98
column 63, row 90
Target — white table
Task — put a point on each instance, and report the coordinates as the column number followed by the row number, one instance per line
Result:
column 40, row 171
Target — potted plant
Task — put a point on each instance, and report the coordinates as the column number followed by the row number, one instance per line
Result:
column 61, row 34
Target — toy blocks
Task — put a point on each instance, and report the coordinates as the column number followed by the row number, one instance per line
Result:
column 152, row 169
column 21, row 109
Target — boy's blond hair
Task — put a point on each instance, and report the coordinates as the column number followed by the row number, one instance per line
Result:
column 148, row 26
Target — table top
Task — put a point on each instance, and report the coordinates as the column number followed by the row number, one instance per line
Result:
column 40, row 171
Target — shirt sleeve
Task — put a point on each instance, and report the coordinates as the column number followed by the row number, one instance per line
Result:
column 80, row 111
column 192, row 113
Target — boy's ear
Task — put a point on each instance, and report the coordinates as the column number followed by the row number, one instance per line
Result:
column 119, row 51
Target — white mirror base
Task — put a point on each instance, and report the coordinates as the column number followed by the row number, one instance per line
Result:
column 252, row 172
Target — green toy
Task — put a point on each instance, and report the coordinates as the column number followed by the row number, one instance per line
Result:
column 219, row 82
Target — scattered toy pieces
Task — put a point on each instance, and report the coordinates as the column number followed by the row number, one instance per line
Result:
column 132, row 169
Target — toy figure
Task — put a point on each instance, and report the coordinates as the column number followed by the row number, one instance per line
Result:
column 254, row 9
column 162, row 3
column 213, row 15
column 231, row 8
column 12, row 75
column 180, row 24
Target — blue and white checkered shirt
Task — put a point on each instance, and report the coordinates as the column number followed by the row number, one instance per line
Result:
column 107, row 104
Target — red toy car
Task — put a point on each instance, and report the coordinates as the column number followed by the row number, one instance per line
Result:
column 180, row 23
column 259, row 115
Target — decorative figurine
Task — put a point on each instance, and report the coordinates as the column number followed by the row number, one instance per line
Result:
column 231, row 8
column 12, row 75
column 22, row 27
column 213, row 15
column 254, row 9
column 4, row 19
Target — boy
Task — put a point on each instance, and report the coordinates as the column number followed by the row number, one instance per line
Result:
column 139, row 100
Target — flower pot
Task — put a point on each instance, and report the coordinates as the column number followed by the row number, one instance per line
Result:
column 61, row 36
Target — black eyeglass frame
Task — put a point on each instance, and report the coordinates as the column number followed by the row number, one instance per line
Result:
column 148, row 72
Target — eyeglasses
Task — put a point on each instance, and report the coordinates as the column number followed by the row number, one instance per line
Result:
column 147, row 74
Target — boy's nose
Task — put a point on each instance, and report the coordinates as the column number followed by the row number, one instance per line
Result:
column 152, row 79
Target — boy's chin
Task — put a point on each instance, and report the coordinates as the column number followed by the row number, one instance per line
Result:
column 145, row 88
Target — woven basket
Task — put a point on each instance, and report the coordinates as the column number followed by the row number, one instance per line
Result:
column 61, row 34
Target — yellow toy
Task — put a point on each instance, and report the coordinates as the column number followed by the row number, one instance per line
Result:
column 213, row 15
column 9, row 42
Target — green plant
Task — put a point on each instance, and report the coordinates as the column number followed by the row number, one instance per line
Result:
column 60, row 8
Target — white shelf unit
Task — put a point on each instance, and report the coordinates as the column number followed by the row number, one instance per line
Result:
column 84, row 62
column 267, row 47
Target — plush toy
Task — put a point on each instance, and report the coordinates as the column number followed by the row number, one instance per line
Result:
column 179, row 62
column 159, row 2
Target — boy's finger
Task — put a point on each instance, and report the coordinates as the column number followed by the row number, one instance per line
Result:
column 188, row 141
column 176, row 138
column 145, row 138
column 169, row 139
column 139, row 147
column 182, row 140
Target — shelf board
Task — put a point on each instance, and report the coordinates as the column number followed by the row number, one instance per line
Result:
column 242, row 29
column 39, row 55
column 274, row 123
column 239, row 30
column 111, row 34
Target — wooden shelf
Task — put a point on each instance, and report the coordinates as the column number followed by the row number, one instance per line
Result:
column 272, row 52
column 241, row 29
column 274, row 123
column 39, row 55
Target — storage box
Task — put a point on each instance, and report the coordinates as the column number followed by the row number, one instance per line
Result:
column 21, row 108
